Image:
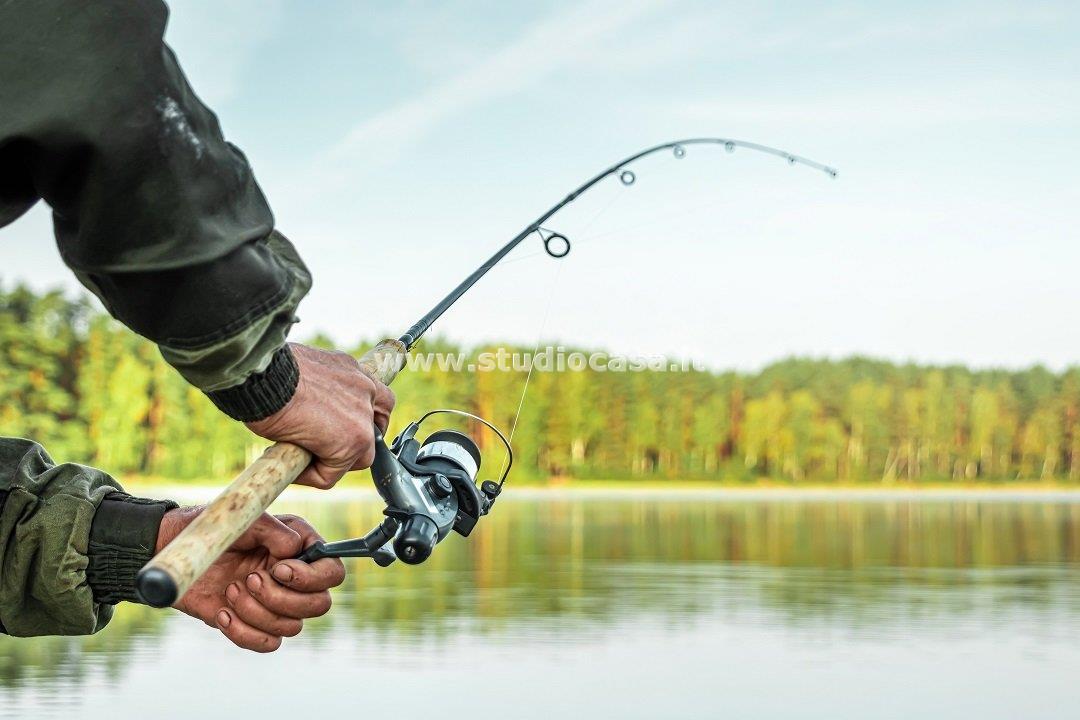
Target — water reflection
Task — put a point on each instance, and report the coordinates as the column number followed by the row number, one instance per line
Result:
column 597, row 561
column 567, row 571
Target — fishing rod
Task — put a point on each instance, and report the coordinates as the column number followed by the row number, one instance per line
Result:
column 627, row 177
column 429, row 488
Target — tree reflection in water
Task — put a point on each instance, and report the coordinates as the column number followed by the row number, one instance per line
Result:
column 563, row 567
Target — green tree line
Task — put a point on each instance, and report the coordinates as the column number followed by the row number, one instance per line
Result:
column 95, row 393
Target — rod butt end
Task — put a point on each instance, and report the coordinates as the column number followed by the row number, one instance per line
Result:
column 155, row 587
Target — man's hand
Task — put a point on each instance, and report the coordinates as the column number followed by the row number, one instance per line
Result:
column 331, row 415
column 254, row 593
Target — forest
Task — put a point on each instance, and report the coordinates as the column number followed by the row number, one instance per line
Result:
column 93, row 392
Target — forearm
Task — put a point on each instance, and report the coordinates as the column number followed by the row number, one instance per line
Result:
column 154, row 210
column 71, row 542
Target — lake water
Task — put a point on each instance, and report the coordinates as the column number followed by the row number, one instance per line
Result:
column 634, row 607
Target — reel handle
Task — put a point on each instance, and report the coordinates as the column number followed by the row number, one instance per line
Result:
column 170, row 573
column 417, row 539
column 372, row 545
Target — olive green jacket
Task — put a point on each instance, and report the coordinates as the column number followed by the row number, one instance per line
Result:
column 162, row 220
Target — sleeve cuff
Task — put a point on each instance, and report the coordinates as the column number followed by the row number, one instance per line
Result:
column 262, row 394
column 123, row 537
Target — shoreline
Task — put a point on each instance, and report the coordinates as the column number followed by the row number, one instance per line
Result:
column 351, row 490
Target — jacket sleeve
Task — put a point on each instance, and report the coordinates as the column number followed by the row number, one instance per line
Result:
column 156, row 213
column 221, row 324
column 71, row 543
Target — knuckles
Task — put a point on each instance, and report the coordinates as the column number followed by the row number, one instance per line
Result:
column 343, row 359
column 360, row 441
column 360, row 433
column 363, row 459
column 365, row 385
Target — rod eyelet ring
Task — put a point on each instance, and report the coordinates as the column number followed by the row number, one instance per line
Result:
column 627, row 177
column 679, row 151
column 565, row 245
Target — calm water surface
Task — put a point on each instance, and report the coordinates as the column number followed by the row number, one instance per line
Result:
column 639, row 607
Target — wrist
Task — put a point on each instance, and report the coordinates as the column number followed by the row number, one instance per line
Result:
column 172, row 522
column 261, row 394
column 123, row 538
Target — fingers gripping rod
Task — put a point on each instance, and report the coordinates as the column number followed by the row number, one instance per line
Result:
column 170, row 574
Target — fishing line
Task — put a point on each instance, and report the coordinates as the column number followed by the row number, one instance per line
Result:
column 592, row 221
column 532, row 361
column 536, row 348
column 547, row 312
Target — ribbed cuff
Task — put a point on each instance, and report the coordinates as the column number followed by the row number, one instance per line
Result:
column 123, row 537
column 262, row 394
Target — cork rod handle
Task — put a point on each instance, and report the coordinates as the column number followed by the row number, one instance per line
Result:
column 170, row 574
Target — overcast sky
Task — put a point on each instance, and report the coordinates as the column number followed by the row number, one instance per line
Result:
column 401, row 143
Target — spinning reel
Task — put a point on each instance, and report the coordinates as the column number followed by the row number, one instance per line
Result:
column 429, row 490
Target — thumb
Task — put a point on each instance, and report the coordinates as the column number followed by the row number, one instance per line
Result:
column 272, row 534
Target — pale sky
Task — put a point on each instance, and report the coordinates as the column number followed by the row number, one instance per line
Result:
column 400, row 144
